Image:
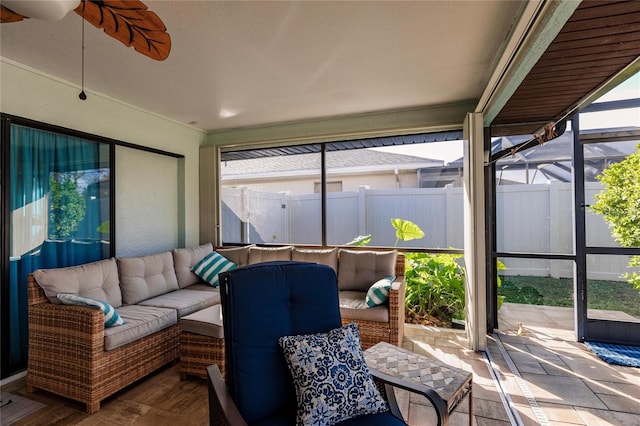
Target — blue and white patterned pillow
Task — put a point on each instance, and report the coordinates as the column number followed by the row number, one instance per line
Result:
column 331, row 377
column 111, row 317
column 211, row 265
column 378, row 293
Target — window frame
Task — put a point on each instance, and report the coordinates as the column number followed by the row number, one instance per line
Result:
column 237, row 153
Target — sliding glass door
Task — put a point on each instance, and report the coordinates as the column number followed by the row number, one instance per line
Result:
column 57, row 205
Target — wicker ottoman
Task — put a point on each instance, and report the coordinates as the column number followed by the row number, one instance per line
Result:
column 201, row 342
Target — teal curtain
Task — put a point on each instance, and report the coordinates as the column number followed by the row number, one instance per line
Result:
column 59, row 205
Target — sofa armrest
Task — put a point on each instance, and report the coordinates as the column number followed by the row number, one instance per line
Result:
column 75, row 331
column 396, row 310
column 61, row 327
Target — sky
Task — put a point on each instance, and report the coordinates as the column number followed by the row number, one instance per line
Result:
column 629, row 89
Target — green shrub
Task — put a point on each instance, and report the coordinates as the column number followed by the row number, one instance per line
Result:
column 434, row 286
column 619, row 204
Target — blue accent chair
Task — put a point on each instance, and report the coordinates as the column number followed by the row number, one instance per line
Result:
column 261, row 303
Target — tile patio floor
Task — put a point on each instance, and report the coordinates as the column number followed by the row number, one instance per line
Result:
column 548, row 378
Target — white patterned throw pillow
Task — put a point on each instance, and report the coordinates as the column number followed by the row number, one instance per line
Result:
column 378, row 293
column 331, row 377
column 211, row 265
column 111, row 316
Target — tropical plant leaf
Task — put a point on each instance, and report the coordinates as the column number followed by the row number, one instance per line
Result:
column 131, row 23
column 104, row 227
column 360, row 240
column 406, row 230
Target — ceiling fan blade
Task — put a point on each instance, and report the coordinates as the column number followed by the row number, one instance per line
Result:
column 7, row 15
column 131, row 23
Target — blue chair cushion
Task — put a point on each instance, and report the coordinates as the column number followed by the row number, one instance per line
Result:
column 261, row 303
column 331, row 377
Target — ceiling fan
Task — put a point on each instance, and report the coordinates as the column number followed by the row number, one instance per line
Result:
column 128, row 21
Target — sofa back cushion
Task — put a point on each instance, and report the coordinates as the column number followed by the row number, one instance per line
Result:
column 264, row 254
column 184, row 259
column 327, row 257
column 358, row 270
column 238, row 255
column 97, row 280
column 146, row 276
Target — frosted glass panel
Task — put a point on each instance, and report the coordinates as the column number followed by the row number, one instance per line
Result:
column 147, row 202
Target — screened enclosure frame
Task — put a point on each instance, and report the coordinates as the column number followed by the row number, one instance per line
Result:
column 585, row 328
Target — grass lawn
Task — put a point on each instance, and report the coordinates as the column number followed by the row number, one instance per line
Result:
column 609, row 295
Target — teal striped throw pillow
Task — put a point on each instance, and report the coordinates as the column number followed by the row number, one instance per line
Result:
column 111, row 316
column 378, row 293
column 211, row 265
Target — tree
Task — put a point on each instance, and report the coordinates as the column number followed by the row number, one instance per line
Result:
column 619, row 204
column 66, row 207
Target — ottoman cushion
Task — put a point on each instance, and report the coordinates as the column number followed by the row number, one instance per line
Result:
column 207, row 322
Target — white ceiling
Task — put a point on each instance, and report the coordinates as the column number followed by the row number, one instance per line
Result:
column 235, row 63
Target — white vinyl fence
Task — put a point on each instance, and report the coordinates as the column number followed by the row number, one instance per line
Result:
column 531, row 218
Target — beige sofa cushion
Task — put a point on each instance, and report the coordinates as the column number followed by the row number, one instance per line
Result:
column 238, row 255
column 354, row 307
column 139, row 321
column 327, row 257
column 264, row 254
column 184, row 301
column 146, row 276
column 184, row 259
column 98, row 280
column 358, row 270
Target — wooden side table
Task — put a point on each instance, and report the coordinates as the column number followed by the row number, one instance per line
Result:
column 443, row 385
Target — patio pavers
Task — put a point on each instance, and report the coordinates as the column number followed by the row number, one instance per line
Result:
column 575, row 387
column 565, row 382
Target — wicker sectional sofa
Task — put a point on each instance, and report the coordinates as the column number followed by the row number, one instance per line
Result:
column 73, row 354
column 356, row 271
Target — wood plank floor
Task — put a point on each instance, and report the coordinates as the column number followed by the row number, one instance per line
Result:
column 160, row 399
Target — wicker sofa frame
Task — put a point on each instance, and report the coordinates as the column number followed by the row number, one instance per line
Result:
column 67, row 356
column 372, row 332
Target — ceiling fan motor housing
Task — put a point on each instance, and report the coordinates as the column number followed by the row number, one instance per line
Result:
column 48, row 10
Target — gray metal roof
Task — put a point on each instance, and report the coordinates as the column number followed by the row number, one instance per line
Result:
column 342, row 145
column 335, row 160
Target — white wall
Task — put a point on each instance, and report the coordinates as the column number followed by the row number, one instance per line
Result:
column 27, row 93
